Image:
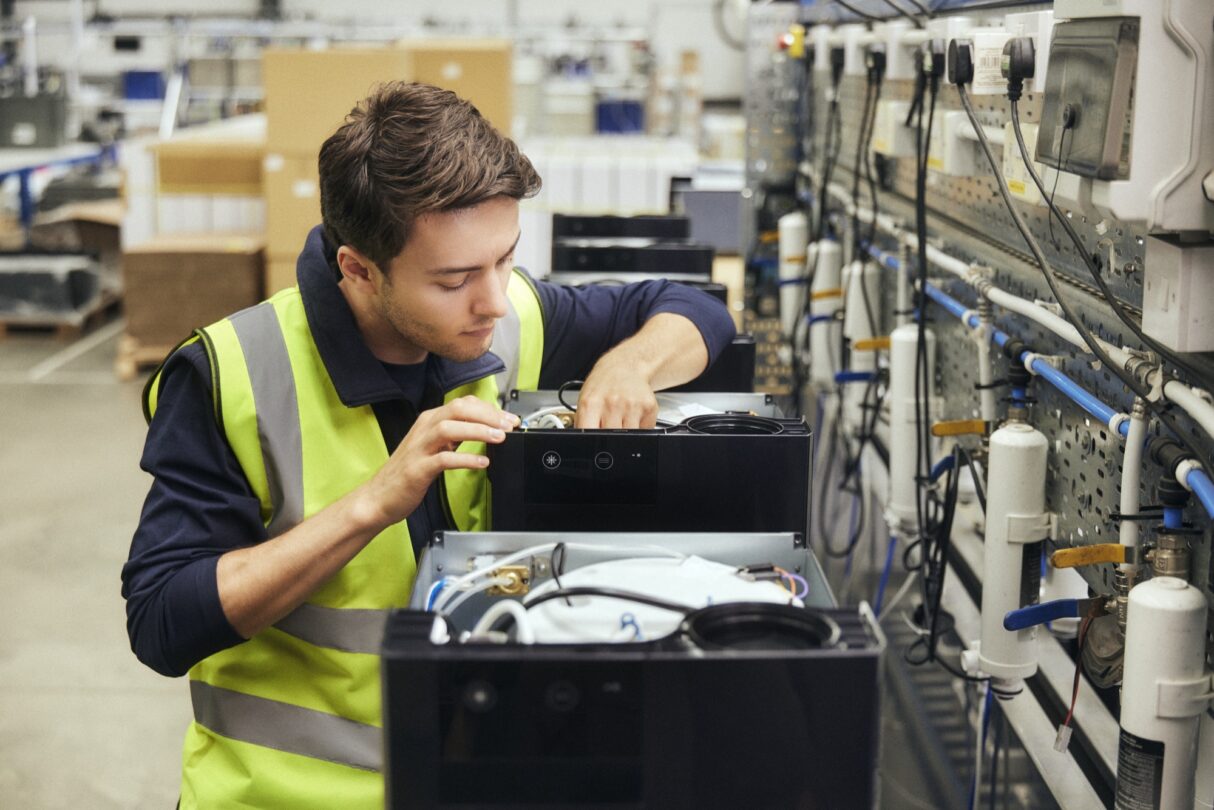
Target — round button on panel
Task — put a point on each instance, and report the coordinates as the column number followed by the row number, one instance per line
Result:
column 551, row 460
column 604, row 461
column 562, row 696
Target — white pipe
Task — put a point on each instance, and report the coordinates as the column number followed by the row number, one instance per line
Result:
column 793, row 229
column 526, row 635
column 1192, row 403
column 862, row 299
column 1131, row 471
column 1164, row 647
column 902, row 507
column 986, row 372
column 1015, row 515
column 995, row 135
column 825, row 342
column 29, row 55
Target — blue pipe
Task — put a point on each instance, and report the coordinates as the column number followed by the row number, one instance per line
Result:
column 820, row 319
column 1173, row 517
column 940, row 468
column 854, row 376
column 1199, row 481
column 1077, row 393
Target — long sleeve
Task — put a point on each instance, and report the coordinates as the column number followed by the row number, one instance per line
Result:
column 199, row 507
column 583, row 323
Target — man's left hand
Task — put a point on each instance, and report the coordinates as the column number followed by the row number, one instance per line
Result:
column 617, row 394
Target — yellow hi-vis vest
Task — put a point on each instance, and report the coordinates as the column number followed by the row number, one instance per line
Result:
column 291, row 717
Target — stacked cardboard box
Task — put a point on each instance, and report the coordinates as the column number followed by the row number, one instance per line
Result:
column 309, row 93
column 177, row 283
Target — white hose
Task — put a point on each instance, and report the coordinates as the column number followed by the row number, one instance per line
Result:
column 1131, row 469
column 501, row 608
column 1192, row 403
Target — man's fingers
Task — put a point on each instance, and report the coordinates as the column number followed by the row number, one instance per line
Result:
column 451, row 460
column 471, row 409
column 589, row 413
column 452, row 432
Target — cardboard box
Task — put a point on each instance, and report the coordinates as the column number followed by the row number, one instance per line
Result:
column 218, row 158
column 175, row 284
column 88, row 227
column 309, row 93
column 280, row 273
column 479, row 70
column 292, row 191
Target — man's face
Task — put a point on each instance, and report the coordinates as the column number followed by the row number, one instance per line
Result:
column 446, row 289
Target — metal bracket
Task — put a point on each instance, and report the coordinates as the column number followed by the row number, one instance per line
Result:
column 1025, row 529
column 1177, row 699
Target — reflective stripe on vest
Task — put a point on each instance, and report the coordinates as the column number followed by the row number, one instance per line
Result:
column 285, row 727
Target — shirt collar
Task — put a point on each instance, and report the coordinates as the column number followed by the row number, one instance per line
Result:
column 358, row 376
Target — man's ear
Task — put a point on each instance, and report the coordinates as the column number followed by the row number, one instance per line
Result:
column 357, row 270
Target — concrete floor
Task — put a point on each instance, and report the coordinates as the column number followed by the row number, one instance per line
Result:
column 82, row 723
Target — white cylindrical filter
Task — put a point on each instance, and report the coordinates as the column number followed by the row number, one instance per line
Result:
column 1015, row 518
column 862, row 301
column 861, row 314
column 794, row 243
column 825, row 347
column 1063, row 583
column 1164, row 643
column 1205, row 762
column 903, row 446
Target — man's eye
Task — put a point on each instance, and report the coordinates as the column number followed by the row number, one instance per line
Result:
column 453, row 287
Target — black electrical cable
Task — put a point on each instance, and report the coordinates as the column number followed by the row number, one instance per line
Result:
column 1090, row 340
column 1090, row 264
column 923, row 136
column 718, row 19
column 978, row 488
column 558, row 567
column 864, row 15
column 904, row 13
column 610, row 593
column 565, row 386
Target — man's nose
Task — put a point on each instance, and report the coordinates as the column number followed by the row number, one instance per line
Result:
column 491, row 298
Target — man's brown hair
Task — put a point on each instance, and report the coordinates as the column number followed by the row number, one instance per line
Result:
column 406, row 150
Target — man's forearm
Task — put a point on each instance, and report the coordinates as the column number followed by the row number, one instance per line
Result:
column 260, row 584
column 618, row 393
column 668, row 350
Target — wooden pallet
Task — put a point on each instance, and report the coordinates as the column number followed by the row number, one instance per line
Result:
column 135, row 356
column 64, row 326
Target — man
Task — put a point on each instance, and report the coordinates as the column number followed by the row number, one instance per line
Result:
column 304, row 450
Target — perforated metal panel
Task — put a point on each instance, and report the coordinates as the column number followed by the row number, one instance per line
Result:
column 968, row 216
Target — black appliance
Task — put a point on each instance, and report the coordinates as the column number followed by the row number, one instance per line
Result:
column 746, row 705
column 565, row 226
column 611, row 259
column 726, row 472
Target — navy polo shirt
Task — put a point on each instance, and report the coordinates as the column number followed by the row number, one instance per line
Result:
column 200, row 505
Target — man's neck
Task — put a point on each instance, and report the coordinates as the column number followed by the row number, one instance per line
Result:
column 381, row 337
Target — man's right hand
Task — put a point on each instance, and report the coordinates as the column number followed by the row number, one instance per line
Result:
column 429, row 449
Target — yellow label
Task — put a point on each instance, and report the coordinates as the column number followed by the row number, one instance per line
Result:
column 935, row 163
column 1016, row 186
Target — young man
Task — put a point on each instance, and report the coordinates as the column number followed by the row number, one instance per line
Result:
column 304, row 450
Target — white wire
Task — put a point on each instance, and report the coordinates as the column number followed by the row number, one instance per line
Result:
column 525, row 634
column 459, row 583
column 446, row 609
